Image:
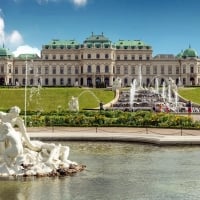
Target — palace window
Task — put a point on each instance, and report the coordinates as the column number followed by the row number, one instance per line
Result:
column 191, row 69
column 184, row 69
column 169, row 69
column 126, row 70
column 31, row 71
column 54, row 57
column 148, row 70
column 61, row 81
column 125, row 57
column 106, row 69
column 133, row 70
column 23, row 70
column 16, row 70
column 133, row 57
column 162, row 69
column 76, row 57
column 68, row 57
column 69, row 70
column 54, row 70
column 69, row 81
column 76, row 70
column 140, row 57
column 31, row 81
column 118, row 57
column 61, row 57
column 106, row 56
column 89, row 69
column 2, row 68
column 62, row 70
column 89, row 56
column 118, row 70
column 54, row 81
column 46, row 81
column 97, row 69
column 39, row 70
column 46, row 57
column 154, row 69
column 46, row 70
column 177, row 70
column 97, row 56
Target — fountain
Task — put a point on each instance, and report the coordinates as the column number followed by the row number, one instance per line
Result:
column 140, row 98
column 19, row 156
column 132, row 92
column 156, row 86
column 73, row 103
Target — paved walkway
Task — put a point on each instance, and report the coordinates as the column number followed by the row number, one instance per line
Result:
column 144, row 135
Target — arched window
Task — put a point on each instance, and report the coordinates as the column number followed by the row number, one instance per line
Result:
column 61, row 81
column 191, row 69
column 97, row 69
column 89, row 69
column 31, row 81
column 69, row 81
column 106, row 69
column 54, row 81
column 89, row 82
column 46, row 81
column 23, row 81
column 106, row 81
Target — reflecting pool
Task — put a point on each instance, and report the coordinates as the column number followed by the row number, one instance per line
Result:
column 115, row 171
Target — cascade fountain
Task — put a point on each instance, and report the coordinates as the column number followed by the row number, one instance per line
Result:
column 139, row 98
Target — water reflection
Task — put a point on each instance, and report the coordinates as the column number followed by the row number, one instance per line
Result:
column 117, row 171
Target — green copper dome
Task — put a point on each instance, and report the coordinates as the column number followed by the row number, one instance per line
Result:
column 190, row 53
column 180, row 55
column 5, row 52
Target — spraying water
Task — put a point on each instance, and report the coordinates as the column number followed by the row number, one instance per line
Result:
column 132, row 92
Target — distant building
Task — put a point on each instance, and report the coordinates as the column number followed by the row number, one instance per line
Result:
column 97, row 62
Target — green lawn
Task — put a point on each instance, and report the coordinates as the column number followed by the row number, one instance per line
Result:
column 192, row 94
column 48, row 99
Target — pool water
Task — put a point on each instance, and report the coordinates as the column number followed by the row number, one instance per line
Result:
column 117, row 171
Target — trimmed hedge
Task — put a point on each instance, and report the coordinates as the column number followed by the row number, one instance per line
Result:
column 111, row 119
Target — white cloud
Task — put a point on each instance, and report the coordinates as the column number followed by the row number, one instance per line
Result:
column 14, row 39
column 79, row 3
column 26, row 49
column 2, row 33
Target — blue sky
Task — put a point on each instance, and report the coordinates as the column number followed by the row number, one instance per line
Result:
column 169, row 26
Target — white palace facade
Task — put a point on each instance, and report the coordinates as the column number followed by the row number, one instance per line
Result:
column 97, row 62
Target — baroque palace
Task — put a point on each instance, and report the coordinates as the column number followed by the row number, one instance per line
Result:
column 97, row 62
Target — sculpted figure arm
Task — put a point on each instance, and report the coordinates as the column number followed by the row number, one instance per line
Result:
column 14, row 119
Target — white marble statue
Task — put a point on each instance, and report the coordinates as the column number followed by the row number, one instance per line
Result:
column 21, row 156
column 12, row 143
column 13, row 118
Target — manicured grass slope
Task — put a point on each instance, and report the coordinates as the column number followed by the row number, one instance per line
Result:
column 192, row 94
column 49, row 99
